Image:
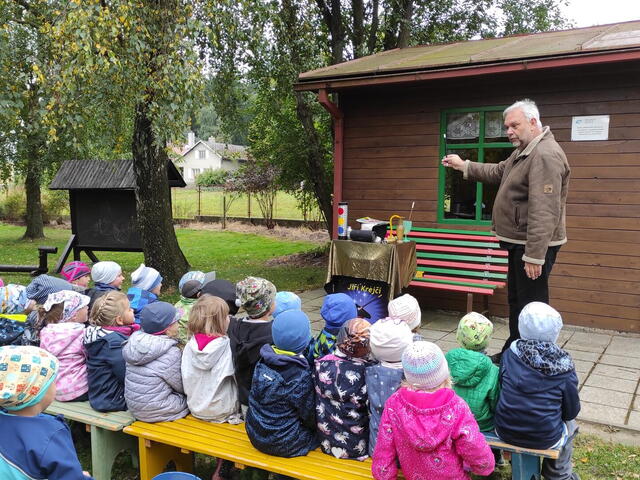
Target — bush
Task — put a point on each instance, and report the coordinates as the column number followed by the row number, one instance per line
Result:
column 55, row 204
column 212, row 178
column 14, row 207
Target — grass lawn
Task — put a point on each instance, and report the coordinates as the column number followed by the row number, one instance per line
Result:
column 185, row 205
column 232, row 255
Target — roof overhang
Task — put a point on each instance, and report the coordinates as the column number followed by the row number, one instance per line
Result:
column 423, row 75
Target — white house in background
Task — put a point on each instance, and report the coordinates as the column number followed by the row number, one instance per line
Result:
column 208, row 154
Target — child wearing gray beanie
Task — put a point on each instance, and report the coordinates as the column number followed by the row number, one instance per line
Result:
column 539, row 399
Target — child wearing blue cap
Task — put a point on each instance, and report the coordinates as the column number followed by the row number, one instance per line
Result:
column 337, row 308
column 153, row 381
column 281, row 416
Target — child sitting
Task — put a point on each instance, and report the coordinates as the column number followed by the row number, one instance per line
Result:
column 341, row 400
column 153, row 382
column 539, row 398
column 475, row 377
column 407, row 308
column 32, row 444
column 77, row 273
column 190, row 288
column 63, row 316
column 281, row 419
column 111, row 324
column 146, row 283
column 426, row 427
column 336, row 309
column 107, row 276
column 247, row 335
column 286, row 301
column 388, row 338
column 207, row 366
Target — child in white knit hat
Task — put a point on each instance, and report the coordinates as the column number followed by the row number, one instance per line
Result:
column 388, row 338
column 146, row 283
column 407, row 308
column 426, row 426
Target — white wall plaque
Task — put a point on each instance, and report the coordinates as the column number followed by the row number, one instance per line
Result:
column 594, row 127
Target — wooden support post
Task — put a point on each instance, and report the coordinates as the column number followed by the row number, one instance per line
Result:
column 469, row 302
column 155, row 456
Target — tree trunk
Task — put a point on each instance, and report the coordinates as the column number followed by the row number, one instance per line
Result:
column 34, row 202
column 153, row 202
column 322, row 186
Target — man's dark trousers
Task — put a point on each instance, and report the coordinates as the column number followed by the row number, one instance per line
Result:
column 521, row 289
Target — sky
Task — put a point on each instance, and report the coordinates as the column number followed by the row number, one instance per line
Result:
column 585, row 13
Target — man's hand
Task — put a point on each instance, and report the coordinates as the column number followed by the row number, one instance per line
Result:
column 533, row 270
column 454, row 161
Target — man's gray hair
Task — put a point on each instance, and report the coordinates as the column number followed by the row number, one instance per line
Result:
column 529, row 109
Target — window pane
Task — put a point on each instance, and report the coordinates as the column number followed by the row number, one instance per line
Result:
column 494, row 130
column 492, row 155
column 463, row 127
column 459, row 194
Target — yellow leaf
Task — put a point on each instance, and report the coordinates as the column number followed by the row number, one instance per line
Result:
column 584, row 459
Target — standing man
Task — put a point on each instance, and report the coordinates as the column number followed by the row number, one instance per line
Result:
column 529, row 209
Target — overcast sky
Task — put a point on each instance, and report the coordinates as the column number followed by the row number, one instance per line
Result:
column 585, row 13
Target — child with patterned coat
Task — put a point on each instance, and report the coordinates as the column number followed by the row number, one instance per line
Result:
column 388, row 338
column 475, row 377
column 63, row 316
column 281, row 419
column 336, row 309
column 32, row 444
column 341, row 393
column 426, row 428
column 247, row 335
column 111, row 324
column 153, row 382
column 146, row 283
column 539, row 399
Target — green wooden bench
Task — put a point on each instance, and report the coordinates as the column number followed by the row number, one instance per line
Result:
column 162, row 442
column 459, row 260
column 525, row 462
column 107, row 437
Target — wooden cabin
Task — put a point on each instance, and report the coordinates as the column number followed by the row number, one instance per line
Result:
column 398, row 112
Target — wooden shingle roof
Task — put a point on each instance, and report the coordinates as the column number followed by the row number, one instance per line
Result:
column 102, row 174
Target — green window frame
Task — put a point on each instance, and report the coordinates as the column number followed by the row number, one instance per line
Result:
column 481, row 146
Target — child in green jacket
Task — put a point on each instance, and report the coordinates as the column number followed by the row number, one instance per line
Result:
column 475, row 377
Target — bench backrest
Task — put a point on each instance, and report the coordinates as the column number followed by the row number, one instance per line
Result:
column 463, row 260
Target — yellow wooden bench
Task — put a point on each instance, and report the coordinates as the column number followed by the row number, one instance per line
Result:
column 162, row 442
column 107, row 438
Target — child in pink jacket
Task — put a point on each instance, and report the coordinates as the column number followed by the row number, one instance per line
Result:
column 427, row 427
column 63, row 316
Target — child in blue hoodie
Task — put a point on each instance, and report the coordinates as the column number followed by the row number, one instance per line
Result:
column 337, row 308
column 281, row 416
column 539, row 400
column 146, row 283
column 32, row 444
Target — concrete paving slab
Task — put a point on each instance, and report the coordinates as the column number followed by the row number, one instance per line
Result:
column 602, row 414
column 584, row 356
column 626, row 373
column 618, row 360
column 589, row 338
column 634, row 420
column 611, row 383
column 604, row 396
column 582, row 366
column 569, row 345
column 432, row 335
column 622, row 350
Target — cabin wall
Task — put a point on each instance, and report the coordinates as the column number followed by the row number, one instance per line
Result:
column 391, row 158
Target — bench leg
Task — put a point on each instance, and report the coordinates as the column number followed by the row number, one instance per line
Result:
column 105, row 447
column 525, row 467
column 154, row 457
column 469, row 302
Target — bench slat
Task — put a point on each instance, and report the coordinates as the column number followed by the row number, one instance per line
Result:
column 457, row 243
column 462, row 281
column 463, row 258
column 496, row 442
column 465, row 265
column 231, row 442
column 82, row 412
column 446, row 286
column 466, row 273
column 452, row 236
column 479, row 233
column 451, row 249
